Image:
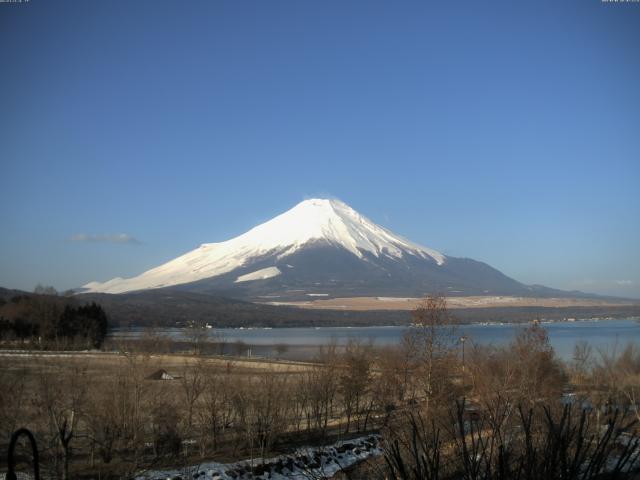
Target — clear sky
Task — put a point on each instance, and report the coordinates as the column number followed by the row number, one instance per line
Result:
column 507, row 132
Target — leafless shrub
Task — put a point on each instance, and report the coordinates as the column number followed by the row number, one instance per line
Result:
column 542, row 443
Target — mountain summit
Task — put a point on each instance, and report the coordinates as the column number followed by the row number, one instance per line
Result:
column 320, row 247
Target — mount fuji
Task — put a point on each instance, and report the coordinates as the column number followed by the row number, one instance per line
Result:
column 320, row 248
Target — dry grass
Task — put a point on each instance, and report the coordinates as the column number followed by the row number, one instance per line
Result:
column 401, row 303
column 100, row 363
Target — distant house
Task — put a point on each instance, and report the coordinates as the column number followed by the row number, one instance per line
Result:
column 161, row 375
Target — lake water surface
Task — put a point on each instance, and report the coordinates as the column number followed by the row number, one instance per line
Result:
column 303, row 342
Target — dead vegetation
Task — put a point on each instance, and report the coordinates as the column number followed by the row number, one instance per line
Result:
column 491, row 416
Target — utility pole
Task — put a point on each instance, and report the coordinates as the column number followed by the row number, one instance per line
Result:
column 462, row 340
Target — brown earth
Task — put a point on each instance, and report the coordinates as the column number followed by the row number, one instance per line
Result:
column 396, row 303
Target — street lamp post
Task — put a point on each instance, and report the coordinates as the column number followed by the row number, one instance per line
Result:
column 462, row 340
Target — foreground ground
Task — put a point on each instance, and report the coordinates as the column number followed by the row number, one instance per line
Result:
column 121, row 414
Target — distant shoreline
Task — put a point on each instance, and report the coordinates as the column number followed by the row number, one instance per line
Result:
column 475, row 301
column 542, row 321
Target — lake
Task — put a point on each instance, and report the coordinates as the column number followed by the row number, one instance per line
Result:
column 303, row 343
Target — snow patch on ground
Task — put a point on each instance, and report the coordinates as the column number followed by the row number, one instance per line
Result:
column 396, row 299
column 303, row 464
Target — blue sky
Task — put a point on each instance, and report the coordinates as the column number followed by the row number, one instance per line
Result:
column 508, row 132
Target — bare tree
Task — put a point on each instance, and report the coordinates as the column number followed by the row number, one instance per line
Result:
column 299, row 403
column 354, row 380
column 217, row 412
column 219, row 340
column 197, row 334
column 151, row 341
column 134, row 406
column 539, row 374
column 617, row 378
column 102, row 421
column 192, row 382
column 321, row 382
column 269, row 409
column 239, row 348
column 44, row 290
column 525, row 371
column 391, row 385
column 14, row 399
column 431, row 341
column 281, row 349
column 581, row 363
column 62, row 399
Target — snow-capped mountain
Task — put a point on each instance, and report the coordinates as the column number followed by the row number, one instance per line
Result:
column 320, row 247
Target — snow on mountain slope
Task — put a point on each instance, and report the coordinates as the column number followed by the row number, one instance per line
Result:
column 261, row 274
column 312, row 220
